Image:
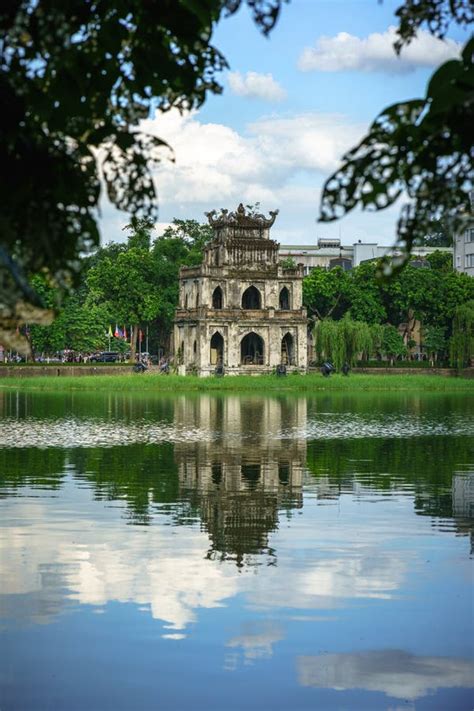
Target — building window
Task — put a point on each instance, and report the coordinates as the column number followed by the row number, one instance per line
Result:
column 284, row 299
column 470, row 235
column 217, row 298
column 251, row 298
column 194, row 347
column 469, row 260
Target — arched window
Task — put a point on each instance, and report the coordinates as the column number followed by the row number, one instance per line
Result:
column 284, row 299
column 287, row 350
column 251, row 298
column 217, row 298
column 217, row 349
column 252, row 350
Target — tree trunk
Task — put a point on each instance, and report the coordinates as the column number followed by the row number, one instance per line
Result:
column 133, row 343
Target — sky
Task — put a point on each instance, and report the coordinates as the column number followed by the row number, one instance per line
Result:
column 292, row 104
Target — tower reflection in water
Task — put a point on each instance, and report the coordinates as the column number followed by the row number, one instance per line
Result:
column 246, row 474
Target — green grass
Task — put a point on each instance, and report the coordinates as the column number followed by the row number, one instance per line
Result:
column 297, row 383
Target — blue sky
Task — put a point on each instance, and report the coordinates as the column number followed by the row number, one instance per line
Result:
column 292, row 104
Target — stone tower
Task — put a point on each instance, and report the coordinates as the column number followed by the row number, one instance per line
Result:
column 241, row 309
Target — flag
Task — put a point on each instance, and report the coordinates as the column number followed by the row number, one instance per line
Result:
column 116, row 332
column 140, row 335
column 110, row 333
column 125, row 332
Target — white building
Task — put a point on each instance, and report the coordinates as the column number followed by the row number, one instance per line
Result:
column 463, row 253
column 329, row 253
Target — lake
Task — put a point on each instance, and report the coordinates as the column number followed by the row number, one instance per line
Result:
column 236, row 552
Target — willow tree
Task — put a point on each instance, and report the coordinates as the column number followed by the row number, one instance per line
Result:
column 461, row 349
column 342, row 341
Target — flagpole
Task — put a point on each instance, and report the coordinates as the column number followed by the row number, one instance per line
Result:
column 147, row 349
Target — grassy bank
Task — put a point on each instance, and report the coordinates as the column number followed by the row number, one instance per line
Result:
column 300, row 383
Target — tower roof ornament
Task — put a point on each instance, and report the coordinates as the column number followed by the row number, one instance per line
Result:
column 240, row 218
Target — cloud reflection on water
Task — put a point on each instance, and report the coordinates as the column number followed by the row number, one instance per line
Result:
column 396, row 673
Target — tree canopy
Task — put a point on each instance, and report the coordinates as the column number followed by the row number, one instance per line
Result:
column 430, row 294
column 76, row 78
column 132, row 284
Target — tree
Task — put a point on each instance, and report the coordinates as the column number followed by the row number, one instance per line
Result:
column 342, row 341
column 434, row 342
column 76, row 78
column 180, row 245
column 422, row 149
column 122, row 280
column 364, row 294
column 392, row 343
column 461, row 349
column 325, row 293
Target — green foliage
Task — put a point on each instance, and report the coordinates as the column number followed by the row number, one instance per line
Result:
column 288, row 263
column 364, row 294
column 392, row 343
column 342, row 341
column 430, row 295
column 79, row 327
column 434, row 341
column 462, row 341
column 441, row 261
column 325, row 292
column 130, row 284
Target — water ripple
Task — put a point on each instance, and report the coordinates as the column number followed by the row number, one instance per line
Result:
column 354, row 426
column 94, row 432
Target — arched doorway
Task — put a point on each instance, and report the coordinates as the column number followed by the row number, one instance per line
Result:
column 287, row 350
column 217, row 349
column 251, row 298
column 217, row 298
column 252, row 350
column 284, row 299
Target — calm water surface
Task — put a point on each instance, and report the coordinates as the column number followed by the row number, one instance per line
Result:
column 237, row 552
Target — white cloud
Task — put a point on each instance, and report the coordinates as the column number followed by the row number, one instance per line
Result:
column 256, row 86
column 375, row 53
column 279, row 161
column 217, row 165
